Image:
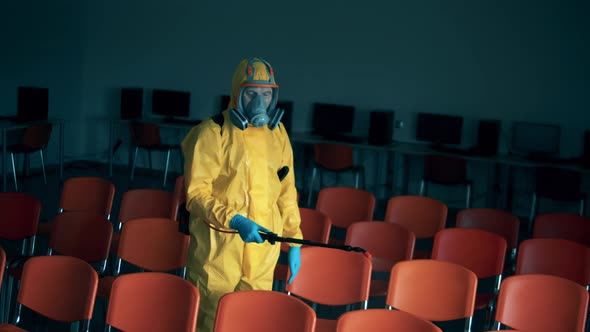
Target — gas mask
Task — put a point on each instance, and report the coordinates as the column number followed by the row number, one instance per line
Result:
column 256, row 114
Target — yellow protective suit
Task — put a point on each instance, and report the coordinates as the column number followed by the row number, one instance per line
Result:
column 229, row 171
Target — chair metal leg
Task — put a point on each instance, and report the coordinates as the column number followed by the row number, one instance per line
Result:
column 43, row 166
column 468, row 196
column 533, row 212
column 133, row 162
column 14, row 171
column 166, row 168
column 314, row 171
column 582, row 207
column 422, row 190
column 357, row 179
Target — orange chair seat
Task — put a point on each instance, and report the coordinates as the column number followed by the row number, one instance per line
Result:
column 378, row 288
column 10, row 328
column 482, row 300
column 325, row 325
column 104, row 286
column 115, row 242
column 281, row 272
column 381, row 264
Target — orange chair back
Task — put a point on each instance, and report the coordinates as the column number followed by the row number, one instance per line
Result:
column 567, row 226
column 153, row 244
column 2, row 263
column 480, row 251
column 558, row 257
column 179, row 198
column 388, row 243
column 145, row 203
column 20, row 215
column 37, row 136
column 433, row 290
column 334, row 157
column 84, row 235
column 153, row 301
column 61, row 288
column 263, row 311
column 491, row 220
column 144, row 134
column 535, row 302
column 383, row 320
column 332, row 277
column 315, row 225
column 345, row 205
column 423, row 216
column 91, row 194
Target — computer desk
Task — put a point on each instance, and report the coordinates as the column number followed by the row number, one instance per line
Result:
column 405, row 149
column 114, row 123
column 8, row 125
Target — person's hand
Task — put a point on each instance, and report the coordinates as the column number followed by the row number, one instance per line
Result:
column 247, row 229
column 294, row 262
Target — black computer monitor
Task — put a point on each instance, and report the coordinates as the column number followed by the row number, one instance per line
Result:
column 332, row 119
column 32, row 104
column 530, row 139
column 131, row 103
column 171, row 103
column 439, row 128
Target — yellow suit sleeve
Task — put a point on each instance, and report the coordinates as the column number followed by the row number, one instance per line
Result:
column 202, row 152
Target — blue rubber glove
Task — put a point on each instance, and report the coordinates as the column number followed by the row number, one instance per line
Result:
column 294, row 262
column 247, row 229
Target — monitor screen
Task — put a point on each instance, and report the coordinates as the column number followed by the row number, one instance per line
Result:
column 171, row 103
column 439, row 128
column 535, row 139
column 331, row 119
column 131, row 103
column 32, row 104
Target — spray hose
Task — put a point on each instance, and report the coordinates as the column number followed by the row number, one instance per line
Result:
column 272, row 238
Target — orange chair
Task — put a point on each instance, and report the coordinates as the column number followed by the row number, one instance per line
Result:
column 433, row 290
column 558, row 257
column 448, row 171
column 383, row 320
column 90, row 194
column 152, row 244
column 142, row 203
column 558, row 185
column 19, row 222
column 423, row 216
column 146, row 136
column 179, row 200
column 83, row 235
column 345, row 205
column 495, row 221
column 2, row 267
column 334, row 158
column 332, row 277
column 262, row 311
column 536, row 302
column 567, row 226
column 388, row 244
column 480, row 251
column 35, row 139
column 61, row 288
column 153, row 301
column 315, row 227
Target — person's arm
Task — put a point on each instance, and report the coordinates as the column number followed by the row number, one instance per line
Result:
column 202, row 151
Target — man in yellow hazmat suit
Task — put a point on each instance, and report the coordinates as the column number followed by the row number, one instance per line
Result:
column 240, row 181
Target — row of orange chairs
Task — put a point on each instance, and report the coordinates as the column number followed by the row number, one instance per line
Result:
column 64, row 288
